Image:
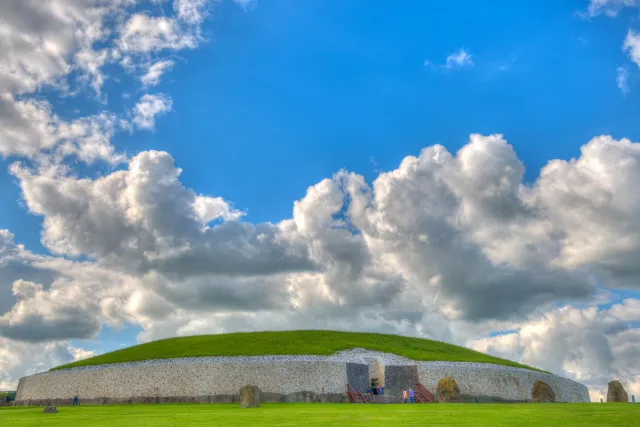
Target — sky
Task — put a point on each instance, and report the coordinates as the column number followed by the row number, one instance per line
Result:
column 464, row 172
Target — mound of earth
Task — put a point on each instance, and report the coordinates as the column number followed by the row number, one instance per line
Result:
column 293, row 343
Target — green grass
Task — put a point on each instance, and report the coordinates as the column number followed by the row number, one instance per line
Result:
column 291, row 342
column 316, row 415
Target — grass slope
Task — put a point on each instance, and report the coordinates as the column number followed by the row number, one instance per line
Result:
column 293, row 343
column 318, row 415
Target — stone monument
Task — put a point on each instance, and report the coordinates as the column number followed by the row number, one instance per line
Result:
column 616, row 392
column 250, row 396
column 448, row 390
column 541, row 392
column 50, row 410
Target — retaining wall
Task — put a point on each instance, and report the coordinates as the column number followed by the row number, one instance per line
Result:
column 282, row 379
column 201, row 382
column 480, row 382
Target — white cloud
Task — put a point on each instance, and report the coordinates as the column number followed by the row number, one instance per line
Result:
column 145, row 34
column 382, row 257
column 155, row 72
column 149, row 107
column 191, row 11
column 18, row 359
column 622, row 80
column 607, row 7
column 29, row 127
column 587, row 345
column 211, row 208
column 461, row 58
column 632, row 46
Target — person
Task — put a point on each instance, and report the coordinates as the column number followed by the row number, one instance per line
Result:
column 379, row 390
column 404, row 396
column 76, row 400
column 411, row 395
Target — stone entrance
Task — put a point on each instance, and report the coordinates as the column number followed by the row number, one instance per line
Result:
column 376, row 372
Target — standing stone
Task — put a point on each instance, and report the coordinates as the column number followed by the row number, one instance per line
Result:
column 633, row 398
column 541, row 392
column 616, row 393
column 600, row 400
column 50, row 410
column 448, row 390
column 250, row 396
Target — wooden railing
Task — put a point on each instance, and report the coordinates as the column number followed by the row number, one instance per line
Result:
column 354, row 395
column 423, row 395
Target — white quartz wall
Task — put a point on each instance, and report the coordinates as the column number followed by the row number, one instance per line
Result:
column 483, row 379
column 208, row 376
column 185, row 379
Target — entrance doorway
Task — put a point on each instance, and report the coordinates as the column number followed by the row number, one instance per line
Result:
column 376, row 374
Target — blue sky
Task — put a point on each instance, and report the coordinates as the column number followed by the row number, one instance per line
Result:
column 261, row 104
column 291, row 92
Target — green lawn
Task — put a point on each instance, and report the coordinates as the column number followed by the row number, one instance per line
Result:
column 291, row 342
column 315, row 415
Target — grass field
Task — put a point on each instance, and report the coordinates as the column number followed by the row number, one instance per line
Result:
column 294, row 343
column 316, row 415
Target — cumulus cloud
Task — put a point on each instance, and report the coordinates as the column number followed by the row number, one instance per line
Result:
column 29, row 127
column 148, row 108
column 18, row 359
column 447, row 246
column 49, row 45
column 589, row 345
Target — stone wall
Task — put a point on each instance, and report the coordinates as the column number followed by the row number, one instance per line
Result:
column 204, row 382
column 281, row 379
column 358, row 376
column 482, row 382
column 399, row 377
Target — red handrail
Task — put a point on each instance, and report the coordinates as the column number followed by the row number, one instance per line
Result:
column 353, row 395
column 424, row 395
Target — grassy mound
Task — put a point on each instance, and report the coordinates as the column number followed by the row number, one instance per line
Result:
column 291, row 343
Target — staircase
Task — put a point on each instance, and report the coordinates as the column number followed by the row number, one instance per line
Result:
column 355, row 396
column 422, row 395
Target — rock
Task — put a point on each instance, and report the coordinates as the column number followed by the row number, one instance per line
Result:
column 250, row 396
column 448, row 390
column 50, row 410
column 616, row 393
column 541, row 392
column 3, row 400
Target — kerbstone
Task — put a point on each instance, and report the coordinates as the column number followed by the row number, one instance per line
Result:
column 250, row 396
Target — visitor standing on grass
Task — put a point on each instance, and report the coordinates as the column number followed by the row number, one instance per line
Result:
column 411, row 394
column 405, row 395
column 76, row 400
